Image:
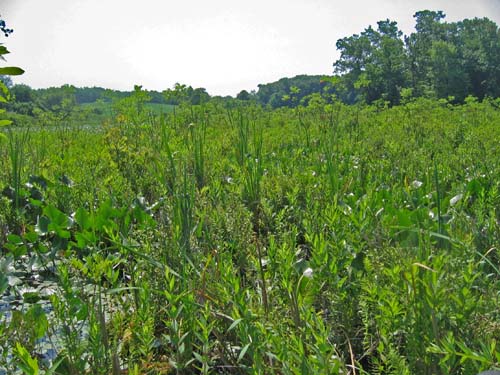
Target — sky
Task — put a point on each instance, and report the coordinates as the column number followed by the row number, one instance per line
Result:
column 224, row 46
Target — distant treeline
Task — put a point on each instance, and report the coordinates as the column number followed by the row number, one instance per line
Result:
column 450, row 60
column 285, row 92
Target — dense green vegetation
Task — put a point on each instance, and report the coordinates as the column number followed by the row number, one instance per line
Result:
column 304, row 240
column 322, row 225
column 291, row 92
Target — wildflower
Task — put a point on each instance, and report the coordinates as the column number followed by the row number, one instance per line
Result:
column 455, row 199
column 416, row 184
column 308, row 272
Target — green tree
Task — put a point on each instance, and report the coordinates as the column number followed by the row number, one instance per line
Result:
column 296, row 88
column 388, row 67
column 373, row 63
column 60, row 101
column 429, row 29
column 445, row 71
column 185, row 94
column 89, row 94
column 178, row 94
column 479, row 48
column 439, row 59
column 199, row 96
column 243, row 95
column 23, row 101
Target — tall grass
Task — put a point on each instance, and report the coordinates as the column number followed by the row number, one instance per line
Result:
column 18, row 141
column 364, row 241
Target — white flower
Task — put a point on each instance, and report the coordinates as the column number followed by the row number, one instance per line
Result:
column 308, row 272
column 455, row 199
column 416, row 184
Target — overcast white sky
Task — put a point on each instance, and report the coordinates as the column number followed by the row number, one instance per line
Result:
column 222, row 45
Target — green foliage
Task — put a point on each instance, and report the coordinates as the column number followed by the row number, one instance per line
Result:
column 27, row 364
column 132, row 108
column 11, row 71
column 438, row 60
column 185, row 94
column 244, row 95
column 306, row 240
column 280, row 93
column 7, row 71
column 374, row 62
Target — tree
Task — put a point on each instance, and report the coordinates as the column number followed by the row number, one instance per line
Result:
column 179, row 94
column 22, row 100
column 445, row 71
column 429, row 29
column 479, row 48
column 88, row 94
column 199, row 96
column 243, row 95
column 373, row 62
column 389, row 60
column 296, row 88
column 185, row 94
column 439, row 59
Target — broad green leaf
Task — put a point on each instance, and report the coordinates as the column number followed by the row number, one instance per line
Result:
column 60, row 233
column 15, row 239
column 31, row 236
column 17, row 250
column 5, row 122
column 85, row 238
column 82, row 217
column 11, row 71
column 57, row 218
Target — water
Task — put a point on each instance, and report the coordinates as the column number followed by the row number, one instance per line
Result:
column 29, row 285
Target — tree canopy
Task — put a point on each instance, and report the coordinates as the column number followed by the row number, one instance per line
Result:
column 440, row 59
